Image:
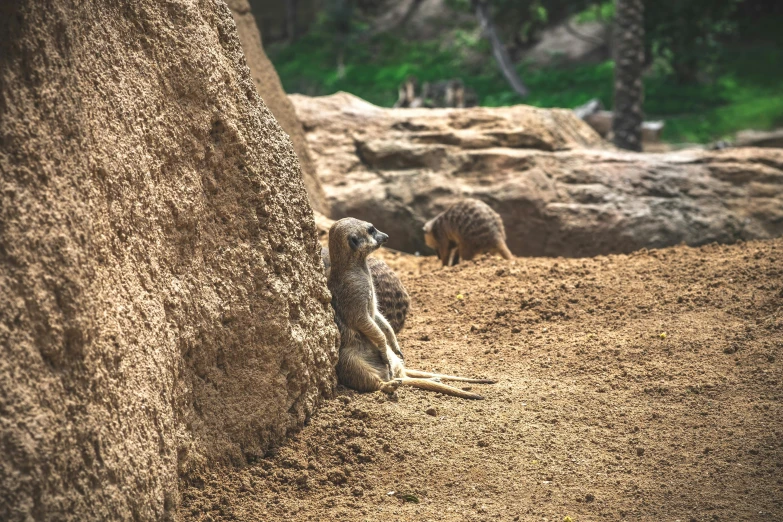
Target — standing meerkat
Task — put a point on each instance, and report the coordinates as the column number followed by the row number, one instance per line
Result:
column 464, row 230
column 370, row 358
column 406, row 94
column 392, row 298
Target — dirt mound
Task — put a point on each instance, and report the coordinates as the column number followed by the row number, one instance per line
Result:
column 162, row 303
column 271, row 90
column 397, row 168
column 641, row 387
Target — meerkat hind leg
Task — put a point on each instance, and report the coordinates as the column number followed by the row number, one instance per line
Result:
column 430, row 385
column 427, row 375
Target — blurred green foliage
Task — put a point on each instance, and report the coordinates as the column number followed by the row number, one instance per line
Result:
column 735, row 86
column 603, row 12
column 687, row 34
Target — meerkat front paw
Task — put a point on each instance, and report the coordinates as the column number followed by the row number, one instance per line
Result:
column 390, row 387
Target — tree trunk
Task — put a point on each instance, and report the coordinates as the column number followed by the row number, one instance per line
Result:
column 628, row 42
column 290, row 20
column 498, row 49
column 410, row 11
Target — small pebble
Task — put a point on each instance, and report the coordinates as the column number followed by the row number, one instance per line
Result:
column 431, row 411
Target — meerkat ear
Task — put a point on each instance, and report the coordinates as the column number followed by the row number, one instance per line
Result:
column 353, row 241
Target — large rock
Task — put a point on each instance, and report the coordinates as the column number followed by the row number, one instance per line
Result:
column 162, row 301
column 268, row 84
column 560, row 189
column 753, row 138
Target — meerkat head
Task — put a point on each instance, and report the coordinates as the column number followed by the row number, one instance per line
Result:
column 352, row 238
column 429, row 234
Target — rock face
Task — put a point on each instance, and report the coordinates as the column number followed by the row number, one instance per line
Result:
column 271, row 90
column 162, row 301
column 751, row 138
column 560, row 190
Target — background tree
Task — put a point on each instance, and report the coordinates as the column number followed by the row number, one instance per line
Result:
column 290, row 19
column 712, row 68
column 339, row 20
column 498, row 49
column 628, row 41
column 687, row 35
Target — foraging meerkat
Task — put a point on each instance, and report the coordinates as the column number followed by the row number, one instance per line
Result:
column 464, row 230
column 392, row 298
column 370, row 358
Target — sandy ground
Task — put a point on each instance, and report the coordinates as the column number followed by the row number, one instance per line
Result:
column 639, row 387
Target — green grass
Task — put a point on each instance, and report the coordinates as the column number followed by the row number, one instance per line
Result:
column 746, row 90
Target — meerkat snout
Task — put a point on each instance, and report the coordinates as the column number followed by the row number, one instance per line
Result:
column 429, row 237
column 366, row 238
column 381, row 237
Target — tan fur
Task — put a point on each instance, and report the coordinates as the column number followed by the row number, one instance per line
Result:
column 406, row 94
column 370, row 357
column 466, row 229
column 446, row 93
column 392, row 298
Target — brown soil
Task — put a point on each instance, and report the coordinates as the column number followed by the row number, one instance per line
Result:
column 638, row 387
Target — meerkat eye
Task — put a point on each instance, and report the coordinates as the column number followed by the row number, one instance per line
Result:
column 371, row 230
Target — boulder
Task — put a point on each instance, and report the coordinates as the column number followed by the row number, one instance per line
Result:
column 754, row 138
column 162, row 301
column 271, row 90
column 560, row 190
column 568, row 42
column 601, row 121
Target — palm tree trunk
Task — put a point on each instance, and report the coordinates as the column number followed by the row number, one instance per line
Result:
column 628, row 40
column 290, row 20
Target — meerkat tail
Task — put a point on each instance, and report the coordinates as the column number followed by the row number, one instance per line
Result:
column 428, row 375
column 505, row 252
column 426, row 384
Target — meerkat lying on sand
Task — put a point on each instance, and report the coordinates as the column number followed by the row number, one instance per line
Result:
column 370, row 358
column 464, row 230
column 392, row 298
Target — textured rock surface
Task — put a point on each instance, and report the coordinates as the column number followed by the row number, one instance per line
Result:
column 162, row 301
column 559, row 189
column 271, row 90
column 751, row 138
